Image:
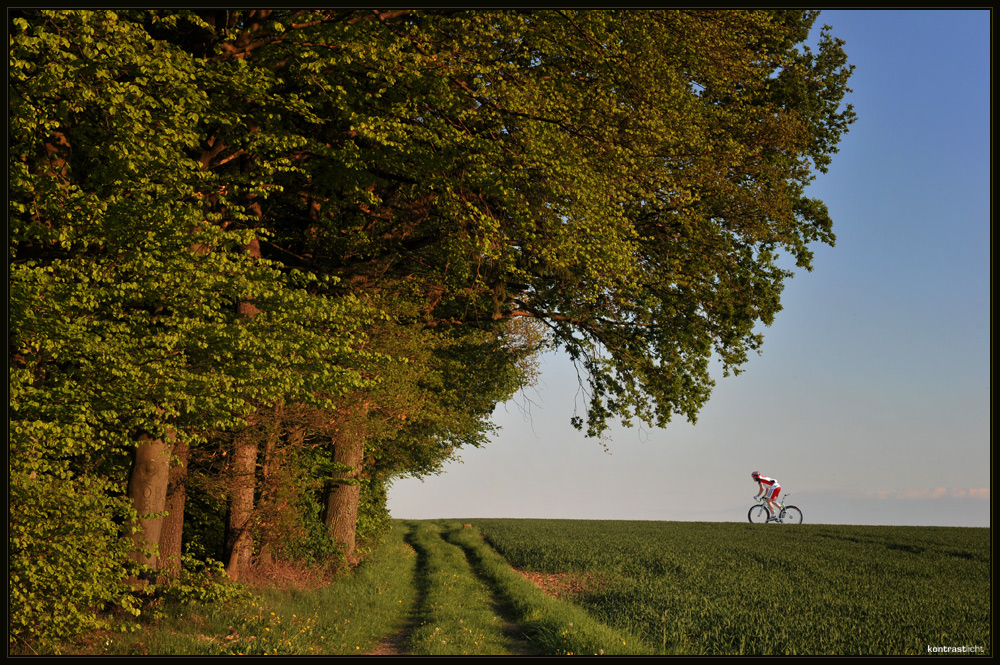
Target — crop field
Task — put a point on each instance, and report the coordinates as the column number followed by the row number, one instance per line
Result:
column 568, row 587
column 718, row 588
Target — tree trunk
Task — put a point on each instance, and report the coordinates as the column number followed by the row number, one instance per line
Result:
column 147, row 489
column 342, row 516
column 342, row 498
column 171, row 537
column 239, row 537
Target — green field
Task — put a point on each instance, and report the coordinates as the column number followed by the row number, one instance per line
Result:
column 550, row 587
column 720, row 588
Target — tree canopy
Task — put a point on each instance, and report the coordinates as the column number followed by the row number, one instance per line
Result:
column 231, row 228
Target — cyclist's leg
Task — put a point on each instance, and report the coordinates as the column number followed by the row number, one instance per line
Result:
column 772, row 500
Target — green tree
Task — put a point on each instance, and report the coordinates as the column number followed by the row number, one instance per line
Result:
column 629, row 178
column 435, row 393
column 218, row 215
column 124, row 281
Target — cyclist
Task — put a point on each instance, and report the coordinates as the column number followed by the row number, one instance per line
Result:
column 770, row 493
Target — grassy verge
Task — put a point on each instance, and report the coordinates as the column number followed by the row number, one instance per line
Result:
column 349, row 616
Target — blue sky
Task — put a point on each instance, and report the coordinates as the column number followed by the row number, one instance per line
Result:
column 870, row 401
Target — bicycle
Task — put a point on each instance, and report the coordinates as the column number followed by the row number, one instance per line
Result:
column 759, row 513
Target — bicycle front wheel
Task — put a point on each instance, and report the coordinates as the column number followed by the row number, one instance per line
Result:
column 791, row 515
column 758, row 514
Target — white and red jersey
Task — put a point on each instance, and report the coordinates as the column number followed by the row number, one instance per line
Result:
column 771, row 487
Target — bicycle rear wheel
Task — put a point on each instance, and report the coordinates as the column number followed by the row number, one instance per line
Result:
column 758, row 514
column 791, row 515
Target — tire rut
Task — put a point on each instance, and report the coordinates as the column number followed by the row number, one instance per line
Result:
column 396, row 644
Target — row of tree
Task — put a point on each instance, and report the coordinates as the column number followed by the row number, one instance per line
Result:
column 264, row 261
